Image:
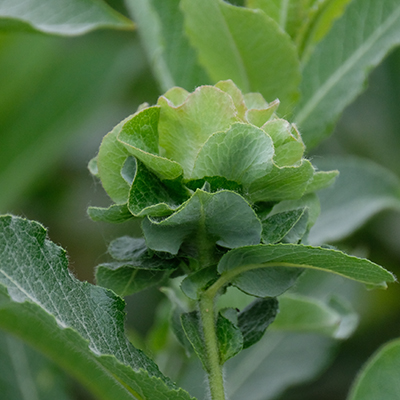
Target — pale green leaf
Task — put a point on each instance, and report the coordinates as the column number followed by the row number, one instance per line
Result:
column 174, row 61
column 62, row 17
column 78, row 325
column 185, row 128
column 336, row 71
column 223, row 218
column 242, row 154
column 237, row 263
column 362, row 189
column 116, row 213
column 379, row 378
column 246, row 46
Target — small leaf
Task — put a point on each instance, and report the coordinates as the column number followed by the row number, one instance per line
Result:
column 78, row 325
column 336, row 71
column 379, row 378
column 116, row 213
column 246, row 46
column 194, row 284
column 242, row 154
column 362, row 189
column 239, row 262
column 224, row 218
column 230, row 339
column 63, row 17
column 193, row 330
column 255, row 319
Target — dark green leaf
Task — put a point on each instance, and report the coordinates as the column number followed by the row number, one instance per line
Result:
column 224, row 218
column 246, row 46
column 62, row 17
column 78, row 325
column 230, row 339
column 194, row 284
column 255, row 319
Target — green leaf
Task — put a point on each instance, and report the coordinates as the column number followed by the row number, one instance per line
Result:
column 277, row 226
column 224, row 218
column 139, row 134
column 194, row 284
column 305, row 314
column 116, row 213
column 275, row 363
column 78, row 325
column 255, row 319
column 62, row 17
column 230, row 339
column 246, row 46
column 192, row 327
column 238, row 263
column 26, row 374
column 242, row 154
column 336, row 71
column 151, row 196
column 174, row 61
column 362, row 189
column 285, row 183
column 184, row 129
column 379, row 378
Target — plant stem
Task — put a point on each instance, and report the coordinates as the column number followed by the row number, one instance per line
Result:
column 214, row 367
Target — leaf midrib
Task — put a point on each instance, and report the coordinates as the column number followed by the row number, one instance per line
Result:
column 308, row 108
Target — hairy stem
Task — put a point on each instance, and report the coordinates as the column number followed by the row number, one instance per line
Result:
column 214, row 368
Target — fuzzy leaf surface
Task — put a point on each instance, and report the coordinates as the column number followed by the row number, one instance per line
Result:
column 225, row 218
column 362, row 189
column 336, row 71
column 241, row 261
column 83, row 324
column 230, row 339
column 61, row 17
column 174, row 61
column 246, row 46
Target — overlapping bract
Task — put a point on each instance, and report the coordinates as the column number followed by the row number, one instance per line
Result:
column 213, row 161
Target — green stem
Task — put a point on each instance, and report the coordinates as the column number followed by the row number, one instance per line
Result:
column 214, row 367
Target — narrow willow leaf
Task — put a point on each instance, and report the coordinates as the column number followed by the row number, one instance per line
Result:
column 242, row 261
column 27, row 374
column 305, row 314
column 275, row 363
column 242, row 154
column 192, row 326
column 139, row 134
column 255, row 319
column 116, row 213
column 62, row 17
column 174, row 61
column 246, row 46
column 184, row 129
column 284, row 183
column 362, row 189
column 379, row 378
column 230, row 339
column 78, row 325
column 336, row 71
column 234, row 224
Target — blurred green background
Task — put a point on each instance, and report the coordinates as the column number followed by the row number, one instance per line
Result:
column 60, row 96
